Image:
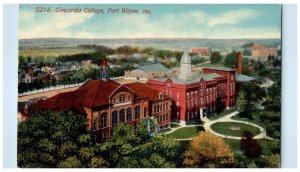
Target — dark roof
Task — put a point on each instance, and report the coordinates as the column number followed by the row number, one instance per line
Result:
column 157, row 67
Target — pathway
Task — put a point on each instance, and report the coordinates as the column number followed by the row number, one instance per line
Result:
column 228, row 118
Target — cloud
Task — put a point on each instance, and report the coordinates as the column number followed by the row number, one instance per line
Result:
column 232, row 17
column 192, row 24
column 57, row 25
column 26, row 16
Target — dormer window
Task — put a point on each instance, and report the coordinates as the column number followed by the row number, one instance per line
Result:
column 129, row 97
column 161, row 95
column 122, row 98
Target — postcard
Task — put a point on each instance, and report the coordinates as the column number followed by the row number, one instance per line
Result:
column 149, row 86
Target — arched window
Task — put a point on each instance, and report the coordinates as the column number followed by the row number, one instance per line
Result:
column 122, row 116
column 137, row 111
column 103, row 120
column 129, row 114
column 95, row 124
column 114, row 117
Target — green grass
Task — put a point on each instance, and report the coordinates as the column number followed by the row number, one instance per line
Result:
column 186, row 132
column 225, row 128
column 224, row 113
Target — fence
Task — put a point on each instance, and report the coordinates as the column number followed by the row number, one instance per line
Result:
column 58, row 87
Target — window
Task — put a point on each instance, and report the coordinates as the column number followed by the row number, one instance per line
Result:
column 201, row 101
column 161, row 95
column 232, row 77
column 207, row 91
column 95, row 124
column 166, row 106
column 103, row 120
column 114, row 100
column 160, row 107
column 129, row 97
column 129, row 114
column 145, row 111
column 122, row 116
column 177, row 103
column 114, row 117
column 122, row 98
column 137, row 111
column 177, row 95
column 201, row 92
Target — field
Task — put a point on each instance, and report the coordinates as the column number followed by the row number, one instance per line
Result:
column 52, row 52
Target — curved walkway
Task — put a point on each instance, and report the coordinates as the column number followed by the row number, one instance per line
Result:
column 181, row 126
column 228, row 118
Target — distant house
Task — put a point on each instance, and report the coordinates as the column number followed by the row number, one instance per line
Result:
column 26, row 75
column 261, row 52
column 146, row 72
column 47, row 68
column 203, row 51
column 116, row 56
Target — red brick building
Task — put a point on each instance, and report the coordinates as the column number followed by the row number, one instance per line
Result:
column 106, row 103
column 204, row 51
column 198, row 94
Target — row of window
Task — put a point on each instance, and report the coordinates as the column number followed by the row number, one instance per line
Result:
column 121, row 114
column 162, row 118
column 160, row 107
column 122, row 98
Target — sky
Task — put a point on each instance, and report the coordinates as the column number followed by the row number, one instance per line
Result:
column 165, row 21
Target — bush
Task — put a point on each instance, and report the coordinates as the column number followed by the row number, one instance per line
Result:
column 250, row 146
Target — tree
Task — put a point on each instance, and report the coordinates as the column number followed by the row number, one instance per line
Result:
column 231, row 60
column 130, row 148
column 208, row 150
column 250, row 146
column 249, row 95
column 54, row 139
column 215, row 57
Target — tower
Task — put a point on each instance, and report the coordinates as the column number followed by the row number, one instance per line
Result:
column 185, row 66
column 104, row 69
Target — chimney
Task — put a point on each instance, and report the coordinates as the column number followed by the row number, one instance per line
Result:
column 239, row 61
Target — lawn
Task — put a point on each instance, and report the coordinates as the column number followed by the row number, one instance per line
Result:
column 233, row 128
column 224, row 113
column 186, row 132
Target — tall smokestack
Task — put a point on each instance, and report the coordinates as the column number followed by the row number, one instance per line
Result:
column 239, row 61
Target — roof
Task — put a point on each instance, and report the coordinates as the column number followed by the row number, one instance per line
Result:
column 143, row 90
column 185, row 59
column 93, row 93
column 193, row 79
column 157, row 67
column 243, row 78
column 220, row 68
column 104, row 62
